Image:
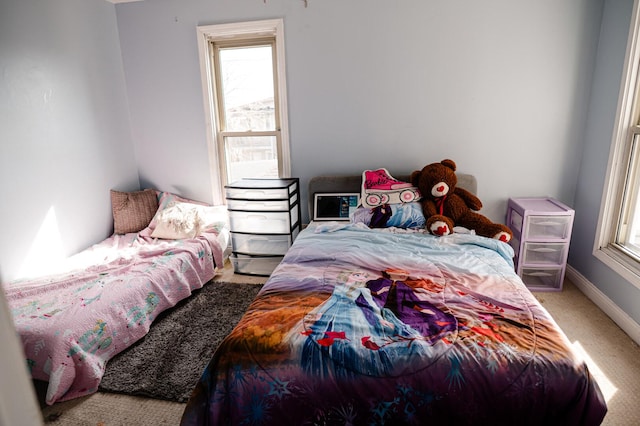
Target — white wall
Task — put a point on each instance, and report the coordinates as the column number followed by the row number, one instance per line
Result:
column 65, row 135
column 65, row 140
column 499, row 86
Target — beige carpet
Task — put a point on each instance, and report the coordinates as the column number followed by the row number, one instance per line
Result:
column 612, row 356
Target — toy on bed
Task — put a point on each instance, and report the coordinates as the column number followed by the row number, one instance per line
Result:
column 104, row 299
column 379, row 188
column 445, row 205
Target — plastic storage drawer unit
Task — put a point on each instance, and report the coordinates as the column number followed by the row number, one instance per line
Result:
column 264, row 219
column 541, row 235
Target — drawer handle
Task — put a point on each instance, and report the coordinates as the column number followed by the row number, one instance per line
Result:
column 549, row 223
column 544, row 250
column 539, row 274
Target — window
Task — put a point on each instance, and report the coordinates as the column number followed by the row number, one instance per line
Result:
column 618, row 239
column 243, row 81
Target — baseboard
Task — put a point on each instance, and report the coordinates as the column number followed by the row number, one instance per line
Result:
column 620, row 317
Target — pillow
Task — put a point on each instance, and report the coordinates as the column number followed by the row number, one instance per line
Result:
column 132, row 211
column 178, row 220
column 406, row 215
column 187, row 220
column 166, row 198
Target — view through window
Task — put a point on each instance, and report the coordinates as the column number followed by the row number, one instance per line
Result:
column 249, row 126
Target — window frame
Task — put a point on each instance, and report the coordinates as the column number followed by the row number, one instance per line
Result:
column 246, row 33
column 626, row 128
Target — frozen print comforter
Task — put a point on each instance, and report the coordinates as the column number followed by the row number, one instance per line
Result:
column 369, row 327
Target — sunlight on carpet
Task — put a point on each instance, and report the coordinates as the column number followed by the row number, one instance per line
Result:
column 606, row 385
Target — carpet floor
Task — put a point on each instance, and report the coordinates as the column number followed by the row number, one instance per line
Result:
column 168, row 361
column 613, row 358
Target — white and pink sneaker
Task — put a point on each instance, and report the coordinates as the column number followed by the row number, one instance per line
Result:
column 379, row 187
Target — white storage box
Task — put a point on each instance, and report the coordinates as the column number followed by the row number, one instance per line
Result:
column 541, row 235
column 264, row 219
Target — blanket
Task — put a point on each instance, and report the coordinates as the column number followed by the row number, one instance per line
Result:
column 372, row 327
column 72, row 323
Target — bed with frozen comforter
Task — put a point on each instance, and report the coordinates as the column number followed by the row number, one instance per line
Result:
column 71, row 323
column 366, row 326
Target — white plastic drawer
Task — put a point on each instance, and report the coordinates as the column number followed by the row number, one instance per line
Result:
column 544, row 227
column 543, row 278
column 544, row 253
column 261, row 193
column 254, row 265
column 261, row 244
column 261, row 222
column 261, row 205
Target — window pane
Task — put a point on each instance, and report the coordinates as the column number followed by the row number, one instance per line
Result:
column 247, row 88
column 629, row 224
column 251, row 157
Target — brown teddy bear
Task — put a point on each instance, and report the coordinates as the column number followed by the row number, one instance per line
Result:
column 445, row 206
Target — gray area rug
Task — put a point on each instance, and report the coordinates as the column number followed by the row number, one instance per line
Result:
column 168, row 362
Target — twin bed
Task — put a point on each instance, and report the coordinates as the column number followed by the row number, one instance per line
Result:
column 106, row 297
column 355, row 326
column 394, row 326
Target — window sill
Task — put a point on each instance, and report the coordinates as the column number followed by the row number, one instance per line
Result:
column 621, row 263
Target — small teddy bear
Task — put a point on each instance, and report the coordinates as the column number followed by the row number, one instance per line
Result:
column 445, row 206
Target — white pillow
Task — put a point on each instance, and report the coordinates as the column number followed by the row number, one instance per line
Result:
column 180, row 220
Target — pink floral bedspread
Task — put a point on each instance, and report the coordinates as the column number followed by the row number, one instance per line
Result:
column 72, row 323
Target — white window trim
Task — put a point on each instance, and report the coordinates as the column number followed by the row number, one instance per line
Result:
column 207, row 33
column 621, row 263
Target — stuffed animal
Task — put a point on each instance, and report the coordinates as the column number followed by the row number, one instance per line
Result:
column 445, row 206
